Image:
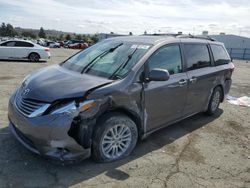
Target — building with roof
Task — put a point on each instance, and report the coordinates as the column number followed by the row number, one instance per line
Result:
column 237, row 46
column 102, row 36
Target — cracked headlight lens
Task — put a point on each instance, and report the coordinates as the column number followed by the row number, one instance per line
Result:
column 25, row 78
column 73, row 107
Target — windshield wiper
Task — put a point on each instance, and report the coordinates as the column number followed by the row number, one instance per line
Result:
column 124, row 64
column 91, row 63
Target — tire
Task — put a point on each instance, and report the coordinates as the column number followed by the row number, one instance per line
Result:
column 34, row 57
column 106, row 147
column 214, row 101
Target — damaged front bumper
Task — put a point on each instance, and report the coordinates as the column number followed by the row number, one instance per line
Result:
column 46, row 135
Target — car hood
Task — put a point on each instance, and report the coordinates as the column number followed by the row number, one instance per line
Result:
column 55, row 82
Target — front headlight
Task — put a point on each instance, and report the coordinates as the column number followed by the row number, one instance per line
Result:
column 25, row 81
column 26, row 78
column 73, row 107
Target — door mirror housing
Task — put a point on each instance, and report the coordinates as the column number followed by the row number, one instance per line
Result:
column 158, row 75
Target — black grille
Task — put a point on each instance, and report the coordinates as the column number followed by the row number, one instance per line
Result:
column 27, row 106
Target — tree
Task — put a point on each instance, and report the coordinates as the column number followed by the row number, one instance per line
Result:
column 68, row 37
column 10, row 31
column 79, row 37
column 3, row 30
column 51, row 37
column 86, row 38
column 130, row 33
column 7, row 30
column 42, row 33
column 61, row 37
column 94, row 38
column 29, row 34
column 145, row 32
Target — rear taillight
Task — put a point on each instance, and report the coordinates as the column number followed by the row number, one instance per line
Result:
column 46, row 50
column 230, row 72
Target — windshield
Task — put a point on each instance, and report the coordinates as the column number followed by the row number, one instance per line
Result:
column 107, row 59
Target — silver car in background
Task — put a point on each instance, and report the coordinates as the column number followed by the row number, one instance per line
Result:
column 21, row 49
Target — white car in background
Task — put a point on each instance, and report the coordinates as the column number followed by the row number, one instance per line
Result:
column 52, row 44
column 22, row 49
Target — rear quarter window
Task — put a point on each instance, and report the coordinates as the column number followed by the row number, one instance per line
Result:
column 220, row 55
column 197, row 56
column 23, row 44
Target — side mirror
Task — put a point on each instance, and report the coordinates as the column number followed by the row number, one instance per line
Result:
column 158, row 75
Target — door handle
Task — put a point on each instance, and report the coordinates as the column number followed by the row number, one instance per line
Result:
column 182, row 82
column 193, row 79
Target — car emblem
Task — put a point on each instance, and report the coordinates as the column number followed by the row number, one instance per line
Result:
column 26, row 91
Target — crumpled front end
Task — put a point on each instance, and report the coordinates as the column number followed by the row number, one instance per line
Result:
column 46, row 135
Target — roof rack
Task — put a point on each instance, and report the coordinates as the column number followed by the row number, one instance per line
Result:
column 161, row 34
column 196, row 37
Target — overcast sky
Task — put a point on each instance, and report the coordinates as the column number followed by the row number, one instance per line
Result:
column 123, row 16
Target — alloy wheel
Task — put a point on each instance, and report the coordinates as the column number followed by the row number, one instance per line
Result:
column 215, row 101
column 34, row 57
column 116, row 141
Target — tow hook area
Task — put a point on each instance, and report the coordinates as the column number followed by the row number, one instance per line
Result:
column 60, row 150
column 66, row 150
column 63, row 152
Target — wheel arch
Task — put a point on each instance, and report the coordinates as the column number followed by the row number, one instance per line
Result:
column 211, row 93
column 33, row 52
column 222, row 89
column 88, row 127
column 132, row 115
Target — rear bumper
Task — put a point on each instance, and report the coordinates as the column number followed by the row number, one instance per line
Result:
column 44, row 55
column 46, row 135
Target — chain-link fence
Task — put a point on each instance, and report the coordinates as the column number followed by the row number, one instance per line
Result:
column 239, row 53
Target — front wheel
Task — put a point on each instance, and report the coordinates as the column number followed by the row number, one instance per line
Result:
column 214, row 101
column 114, row 138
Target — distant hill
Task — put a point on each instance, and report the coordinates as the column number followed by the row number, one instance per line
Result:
column 55, row 35
column 50, row 33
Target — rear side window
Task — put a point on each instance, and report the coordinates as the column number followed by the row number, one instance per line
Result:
column 220, row 55
column 197, row 56
column 23, row 44
column 168, row 58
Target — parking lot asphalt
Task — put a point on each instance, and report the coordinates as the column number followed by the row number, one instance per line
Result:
column 201, row 151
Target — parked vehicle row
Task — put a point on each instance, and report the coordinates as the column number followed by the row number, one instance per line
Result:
column 52, row 44
column 47, row 43
column 73, row 44
column 102, row 100
column 76, row 44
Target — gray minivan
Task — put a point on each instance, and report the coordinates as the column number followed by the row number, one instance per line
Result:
column 100, row 101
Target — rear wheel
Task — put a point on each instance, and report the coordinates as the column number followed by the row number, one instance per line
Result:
column 114, row 138
column 214, row 101
column 34, row 57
